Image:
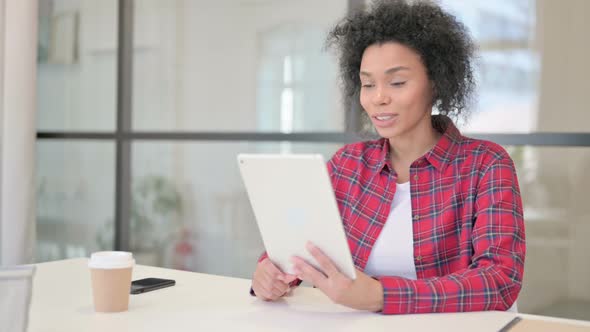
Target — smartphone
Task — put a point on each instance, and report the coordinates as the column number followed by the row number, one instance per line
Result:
column 150, row 284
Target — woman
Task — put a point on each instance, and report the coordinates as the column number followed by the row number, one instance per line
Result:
column 434, row 219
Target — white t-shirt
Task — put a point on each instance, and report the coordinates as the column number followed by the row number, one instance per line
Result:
column 393, row 252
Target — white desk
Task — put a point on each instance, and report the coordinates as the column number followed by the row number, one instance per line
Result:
column 62, row 301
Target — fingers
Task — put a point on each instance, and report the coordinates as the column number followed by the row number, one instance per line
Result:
column 268, row 281
column 308, row 273
column 280, row 290
column 269, row 291
column 274, row 273
column 262, row 291
column 324, row 261
column 289, row 278
column 270, row 268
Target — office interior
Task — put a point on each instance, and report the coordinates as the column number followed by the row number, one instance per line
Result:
column 139, row 112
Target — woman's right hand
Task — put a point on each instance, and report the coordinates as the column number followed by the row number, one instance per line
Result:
column 269, row 282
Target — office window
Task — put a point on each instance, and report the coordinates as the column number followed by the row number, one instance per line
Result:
column 75, row 198
column 196, row 73
column 190, row 208
column 296, row 82
column 509, row 64
column 235, row 66
column 77, row 63
column 553, row 183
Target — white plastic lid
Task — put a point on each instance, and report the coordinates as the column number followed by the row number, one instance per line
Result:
column 111, row 260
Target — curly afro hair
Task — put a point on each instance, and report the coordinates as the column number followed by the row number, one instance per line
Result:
column 443, row 43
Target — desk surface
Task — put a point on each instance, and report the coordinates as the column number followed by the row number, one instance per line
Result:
column 62, row 301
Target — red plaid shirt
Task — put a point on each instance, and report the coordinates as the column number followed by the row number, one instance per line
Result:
column 469, row 242
column 468, row 227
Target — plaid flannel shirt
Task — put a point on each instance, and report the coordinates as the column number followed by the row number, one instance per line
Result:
column 468, row 227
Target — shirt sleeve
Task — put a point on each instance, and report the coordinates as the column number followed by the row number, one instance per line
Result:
column 333, row 165
column 494, row 277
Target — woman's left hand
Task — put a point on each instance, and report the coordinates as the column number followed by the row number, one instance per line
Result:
column 363, row 293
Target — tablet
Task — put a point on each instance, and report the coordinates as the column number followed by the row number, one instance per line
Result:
column 293, row 202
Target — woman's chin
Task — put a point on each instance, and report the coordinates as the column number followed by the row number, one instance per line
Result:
column 387, row 132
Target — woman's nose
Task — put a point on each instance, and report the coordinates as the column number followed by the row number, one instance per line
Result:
column 381, row 97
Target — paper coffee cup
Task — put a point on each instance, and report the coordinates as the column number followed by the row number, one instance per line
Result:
column 111, row 280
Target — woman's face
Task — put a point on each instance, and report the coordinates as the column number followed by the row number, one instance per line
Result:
column 396, row 92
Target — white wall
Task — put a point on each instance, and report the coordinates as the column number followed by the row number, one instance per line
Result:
column 565, row 47
column 2, row 65
column 18, row 36
column 563, row 173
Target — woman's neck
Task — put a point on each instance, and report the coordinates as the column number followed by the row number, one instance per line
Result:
column 407, row 148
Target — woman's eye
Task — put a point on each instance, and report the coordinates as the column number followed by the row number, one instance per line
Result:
column 366, row 85
column 398, row 83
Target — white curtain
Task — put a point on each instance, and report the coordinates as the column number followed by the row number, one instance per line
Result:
column 18, row 59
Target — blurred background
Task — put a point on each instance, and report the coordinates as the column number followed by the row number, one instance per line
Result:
column 142, row 110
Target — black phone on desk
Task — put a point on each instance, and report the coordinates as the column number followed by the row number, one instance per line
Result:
column 150, row 284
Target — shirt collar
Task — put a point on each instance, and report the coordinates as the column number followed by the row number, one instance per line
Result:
column 447, row 147
column 441, row 155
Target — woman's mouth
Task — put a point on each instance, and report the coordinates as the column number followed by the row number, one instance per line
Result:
column 384, row 119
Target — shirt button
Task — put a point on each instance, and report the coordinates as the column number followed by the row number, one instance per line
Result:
column 419, row 258
column 416, row 177
column 416, row 217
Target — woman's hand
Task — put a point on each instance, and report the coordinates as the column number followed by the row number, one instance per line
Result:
column 363, row 293
column 268, row 282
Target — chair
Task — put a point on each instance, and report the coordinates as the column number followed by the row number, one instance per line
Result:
column 15, row 297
